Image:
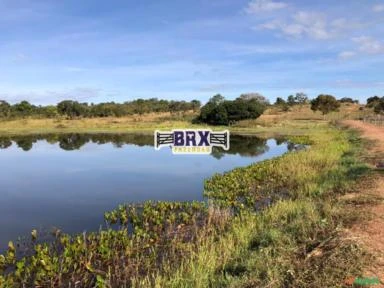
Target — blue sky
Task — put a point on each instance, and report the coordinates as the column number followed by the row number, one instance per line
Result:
column 120, row 50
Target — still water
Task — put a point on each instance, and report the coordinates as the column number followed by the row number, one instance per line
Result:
column 69, row 180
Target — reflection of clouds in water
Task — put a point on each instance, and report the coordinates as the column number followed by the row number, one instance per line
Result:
column 94, row 177
column 197, row 164
column 78, row 170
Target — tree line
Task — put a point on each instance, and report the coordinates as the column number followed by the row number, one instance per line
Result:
column 217, row 111
column 74, row 109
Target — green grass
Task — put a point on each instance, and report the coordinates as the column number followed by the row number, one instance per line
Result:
column 271, row 248
column 232, row 242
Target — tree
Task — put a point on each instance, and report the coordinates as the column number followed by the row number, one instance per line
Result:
column 217, row 99
column 282, row 104
column 379, row 106
column 196, row 104
column 301, row 98
column 24, row 108
column 291, row 100
column 256, row 96
column 71, row 108
column 219, row 111
column 325, row 104
column 49, row 111
column 297, row 99
column 280, row 101
column 5, row 108
column 348, row 100
column 243, row 109
column 372, row 101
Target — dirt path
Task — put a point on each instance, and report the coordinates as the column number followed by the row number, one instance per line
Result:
column 371, row 232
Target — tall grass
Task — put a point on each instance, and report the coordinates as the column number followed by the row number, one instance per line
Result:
column 272, row 248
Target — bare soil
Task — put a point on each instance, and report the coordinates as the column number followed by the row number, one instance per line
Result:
column 370, row 233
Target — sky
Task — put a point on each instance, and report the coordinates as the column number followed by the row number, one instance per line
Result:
column 120, row 50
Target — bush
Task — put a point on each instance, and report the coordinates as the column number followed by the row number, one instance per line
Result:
column 325, row 104
column 219, row 111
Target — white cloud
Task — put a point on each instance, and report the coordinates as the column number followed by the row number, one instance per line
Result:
column 37, row 97
column 257, row 6
column 369, row 45
column 356, row 84
column 378, row 8
column 308, row 24
column 365, row 45
column 346, row 54
column 215, row 87
column 244, row 49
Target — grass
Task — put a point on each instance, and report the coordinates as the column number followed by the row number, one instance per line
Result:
column 295, row 242
column 136, row 123
column 274, row 248
column 296, row 121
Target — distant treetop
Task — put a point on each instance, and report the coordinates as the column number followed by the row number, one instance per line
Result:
column 256, row 96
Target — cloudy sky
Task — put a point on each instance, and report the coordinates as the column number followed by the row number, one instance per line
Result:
column 119, row 50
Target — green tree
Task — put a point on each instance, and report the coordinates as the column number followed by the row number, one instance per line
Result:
column 282, row 104
column 219, row 111
column 379, row 106
column 348, row 100
column 291, row 100
column 372, row 101
column 301, row 98
column 24, row 108
column 280, row 101
column 325, row 104
column 71, row 109
column 5, row 109
column 217, row 99
column 196, row 104
column 48, row 111
column 255, row 96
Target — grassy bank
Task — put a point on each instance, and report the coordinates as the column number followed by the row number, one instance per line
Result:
column 272, row 224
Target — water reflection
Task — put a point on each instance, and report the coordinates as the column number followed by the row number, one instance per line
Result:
column 70, row 180
column 242, row 145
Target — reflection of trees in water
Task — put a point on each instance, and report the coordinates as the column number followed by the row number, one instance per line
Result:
column 5, row 142
column 242, row 145
column 25, row 144
column 295, row 147
column 74, row 141
column 280, row 140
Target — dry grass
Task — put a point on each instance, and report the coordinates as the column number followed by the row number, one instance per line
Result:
column 303, row 112
column 293, row 122
column 143, row 123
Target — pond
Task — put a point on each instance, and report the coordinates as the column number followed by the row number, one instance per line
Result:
column 69, row 180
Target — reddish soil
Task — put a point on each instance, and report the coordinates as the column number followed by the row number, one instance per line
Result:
column 370, row 232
